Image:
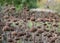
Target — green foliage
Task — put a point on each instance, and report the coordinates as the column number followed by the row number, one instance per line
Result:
column 20, row 3
column 30, row 24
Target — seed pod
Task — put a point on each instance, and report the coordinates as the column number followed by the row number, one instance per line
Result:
column 28, row 35
column 30, row 39
column 28, row 18
column 24, row 20
column 45, row 24
column 38, row 19
column 55, row 25
column 40, row 31
column 42, row 20
column 46, row 30
column 0, row 37
column 32, row 18
column 37, row 34
column 49, row 35
column 39, row 27
column 15, row 20
column 6, row 17
column 11, row 29
column 17, row 23
column 53, row 39
column 9, row 24
column 13, row 8
column 26, row 39
column 8, row 20
column 33, row 29
column 17, row 38
column 14, row 33
column 52, row 31
column 10, row 40
column 20, row 34
column 6, row 28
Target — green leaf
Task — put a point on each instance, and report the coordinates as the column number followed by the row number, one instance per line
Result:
column 30, row 24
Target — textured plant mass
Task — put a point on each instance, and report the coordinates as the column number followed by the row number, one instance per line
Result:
column 27, row 26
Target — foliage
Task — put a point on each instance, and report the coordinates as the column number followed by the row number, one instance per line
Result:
column 20, row 3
